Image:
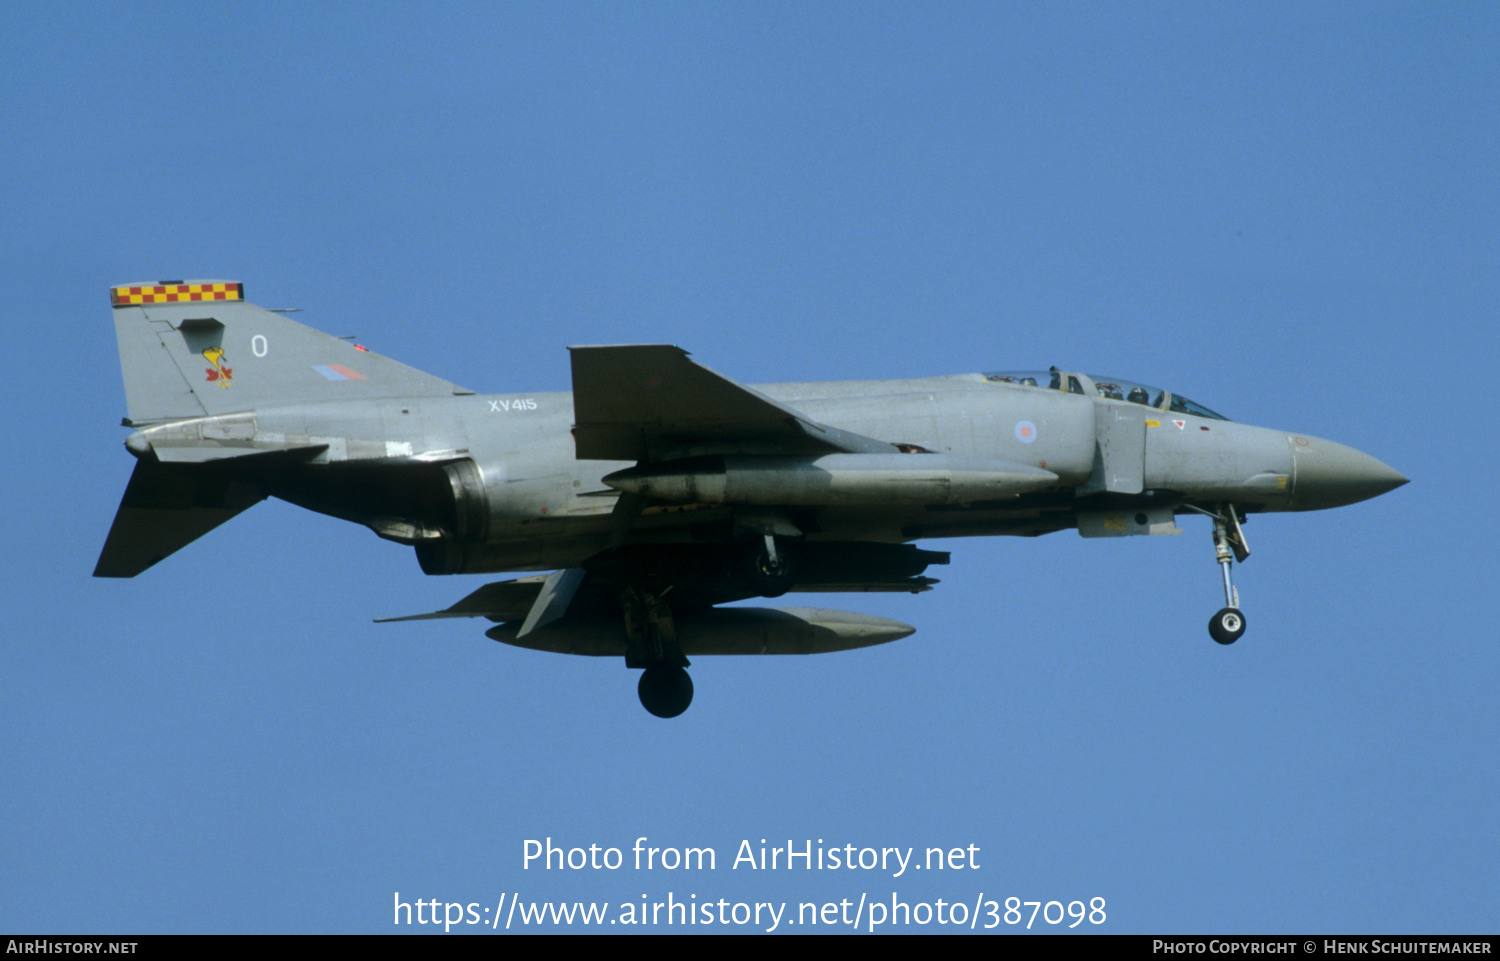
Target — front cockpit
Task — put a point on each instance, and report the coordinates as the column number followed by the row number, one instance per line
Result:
column 1108, row 388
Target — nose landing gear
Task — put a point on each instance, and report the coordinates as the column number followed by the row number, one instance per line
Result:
column 1228, row 625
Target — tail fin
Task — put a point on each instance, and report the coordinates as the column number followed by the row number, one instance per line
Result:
column 194, row 349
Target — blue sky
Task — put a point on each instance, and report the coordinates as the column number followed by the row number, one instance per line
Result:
column 1285, row 211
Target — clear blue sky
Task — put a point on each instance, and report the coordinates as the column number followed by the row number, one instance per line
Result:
column 1286, row 211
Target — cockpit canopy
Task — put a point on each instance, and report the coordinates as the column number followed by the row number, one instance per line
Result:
column 1109, row 388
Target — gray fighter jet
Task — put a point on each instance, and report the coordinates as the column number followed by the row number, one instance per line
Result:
column 658, row 490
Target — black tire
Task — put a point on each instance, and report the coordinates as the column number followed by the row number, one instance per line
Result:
column 665, row 691
column 1227, row 626
column 764, row 577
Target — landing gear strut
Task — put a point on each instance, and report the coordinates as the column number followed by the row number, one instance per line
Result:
column 768, row 571
column 1228, row 625
column 665, row 688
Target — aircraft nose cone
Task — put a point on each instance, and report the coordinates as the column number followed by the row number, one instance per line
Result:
column 1331, row 475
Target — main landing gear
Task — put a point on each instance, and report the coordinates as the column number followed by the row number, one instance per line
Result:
column 1228, row 625
column 767, row 570
column 665, row 688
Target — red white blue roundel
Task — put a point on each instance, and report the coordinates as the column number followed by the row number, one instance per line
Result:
column 1025, row 432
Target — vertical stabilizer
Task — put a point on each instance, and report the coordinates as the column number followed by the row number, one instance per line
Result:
column 196, row 348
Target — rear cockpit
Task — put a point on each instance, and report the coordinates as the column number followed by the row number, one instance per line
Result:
column 1108, row 388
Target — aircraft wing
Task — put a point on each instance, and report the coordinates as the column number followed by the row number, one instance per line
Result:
column 500, row 601
column 647, row 402
column 523, row 598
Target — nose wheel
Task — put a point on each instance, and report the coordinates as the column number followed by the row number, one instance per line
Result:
column 1227, row 626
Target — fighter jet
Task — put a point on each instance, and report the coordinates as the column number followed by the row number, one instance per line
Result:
column 658, row 491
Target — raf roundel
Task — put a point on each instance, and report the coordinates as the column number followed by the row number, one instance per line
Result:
column 1025, row 432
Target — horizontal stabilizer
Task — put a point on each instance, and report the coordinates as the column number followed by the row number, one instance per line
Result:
column 164, row 510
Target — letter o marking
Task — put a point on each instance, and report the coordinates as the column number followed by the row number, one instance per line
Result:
column 258, row 345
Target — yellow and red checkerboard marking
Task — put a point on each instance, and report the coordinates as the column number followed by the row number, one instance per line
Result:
column 174, row 293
